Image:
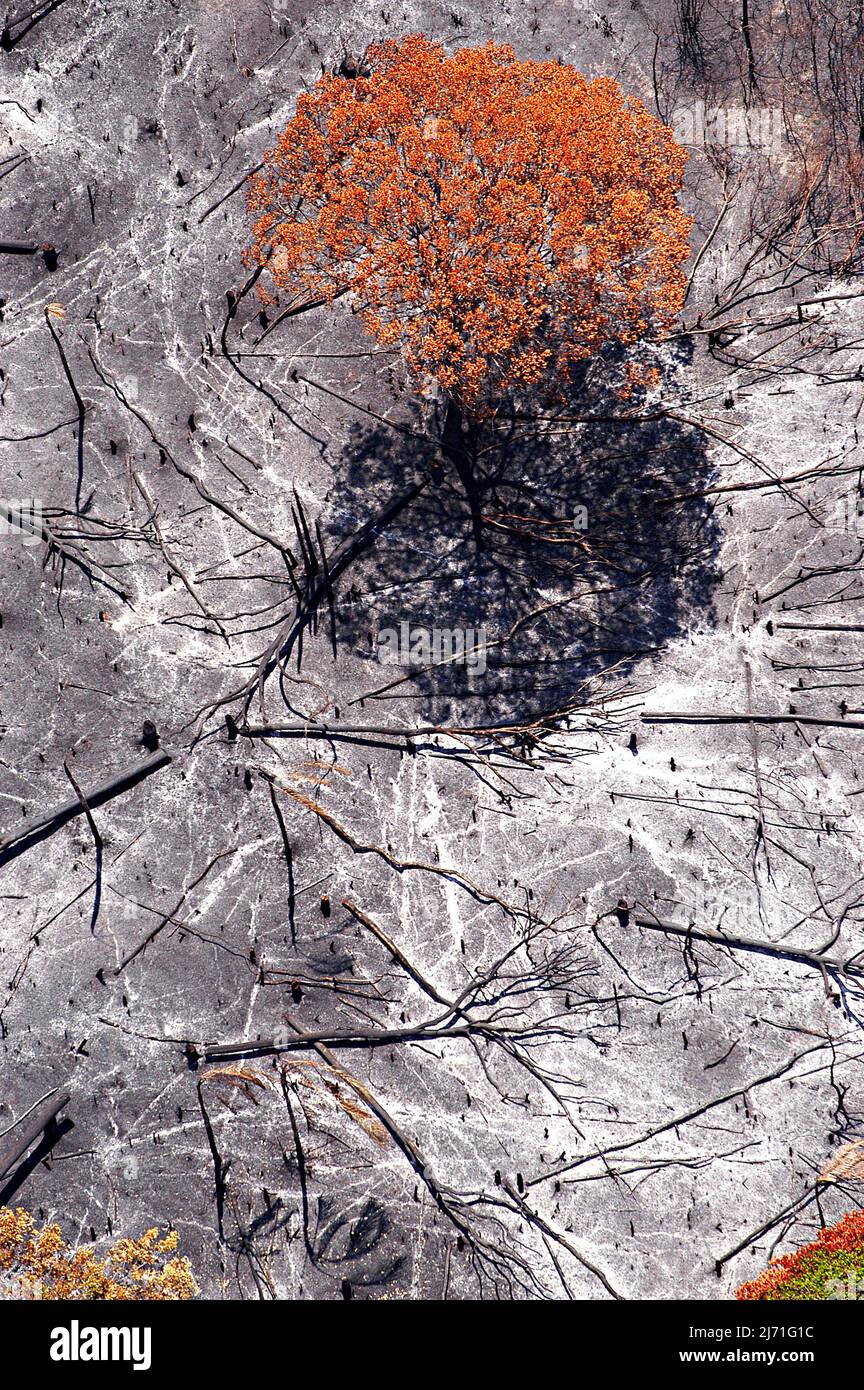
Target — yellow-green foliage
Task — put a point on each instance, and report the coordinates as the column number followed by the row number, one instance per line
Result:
column 39, row 1264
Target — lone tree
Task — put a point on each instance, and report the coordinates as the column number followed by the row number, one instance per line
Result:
column 494, row 221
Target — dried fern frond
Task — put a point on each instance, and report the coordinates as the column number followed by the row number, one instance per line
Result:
column 367, row 1122
column 847, row 1165
column 238, row 1074
column 313, row 1077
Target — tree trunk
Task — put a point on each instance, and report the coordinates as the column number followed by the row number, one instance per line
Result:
column 455, row 447
column 748, row 44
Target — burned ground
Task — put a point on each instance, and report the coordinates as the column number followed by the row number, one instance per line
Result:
column 466, row 1059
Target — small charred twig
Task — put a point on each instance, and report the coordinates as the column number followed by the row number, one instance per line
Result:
column 172, row 563
column 328, row 583
column 235, row 188
column 534, row 1219
column 728, row 198
column 220, row 1167
column 758, row 484
column 301, row 526
column 234, row 302
column 398, row 955
column 97, row 842
column 301, row 1169
column 793, row 1209
column 82, row 409
column 39, row 434
column 362, row 409
column 85, row 806
column 289, row 860
column 166, row 917
column 307, row 602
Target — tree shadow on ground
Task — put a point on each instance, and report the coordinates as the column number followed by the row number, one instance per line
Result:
column 596, row 553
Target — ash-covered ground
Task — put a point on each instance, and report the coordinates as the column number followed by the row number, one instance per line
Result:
column 495, row 1074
